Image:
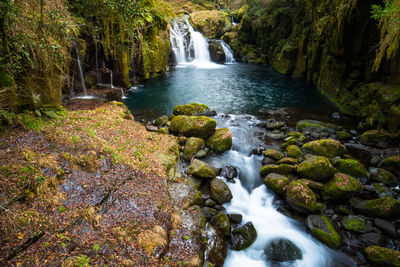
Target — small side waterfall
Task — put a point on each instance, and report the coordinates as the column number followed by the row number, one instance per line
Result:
column 111, row 79
column 98, row 76
column 178, row 43
column 82, row 78
column 229, row 58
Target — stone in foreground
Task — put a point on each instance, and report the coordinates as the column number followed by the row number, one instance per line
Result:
column 316, row 168
column 385, row 207
column 220, row 141
column 383, row 256
column 220, row 192
column 282, row 250
column 201, row 169
column 197, row 126
column 242, row 237
column 325, row 147
column 192, row 109
column 301, row 198
column 322, row 229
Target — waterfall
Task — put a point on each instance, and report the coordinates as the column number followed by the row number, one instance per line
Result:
column 233, row 21
column 82, row 78
column 199, row 45
column 98, row 77
column 177, row 43
column 229, row 58
column 111, row 79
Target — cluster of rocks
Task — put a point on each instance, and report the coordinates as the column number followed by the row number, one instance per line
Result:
column 344, row 204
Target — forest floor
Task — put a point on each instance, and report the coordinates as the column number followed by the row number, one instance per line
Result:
column 91, row 187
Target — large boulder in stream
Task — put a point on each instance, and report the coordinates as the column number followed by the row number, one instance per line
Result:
column 301, row 198
column 354, row 168
column 341, row 187
column 392, row 164
column 325, row 147
column 316, row 168
column 276, row 182
column 220, row 192
column 197, row 126
column 192, row 146
column 384, row 207
column 274, row 168
column 322, row 229
column 383, row 256
column 282, row 250
column 221, row 221
column 215, row 249
column 274, row 154
column 192, row 109
column 220, row 141
column 243, row 236
column 201, row 169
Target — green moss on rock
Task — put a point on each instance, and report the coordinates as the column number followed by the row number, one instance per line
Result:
column 220, row 141
column 383, row 256
column 301, row 198
column 280, row 169
column 197, row 126
column 385, row 207
column 322, row 229
column 341, row 186
column 378, row 138
column 201, row 169
column 274, row 154
column 392, row 164
column 212, row 23
column 192, row 109
column 353, row 168
column 343, row 135
column 220, row 192
column 193, row 144
column 354, row 223
column 325, row 147
column 384, row 176
column 276, row 182
column 316, row 168
column 221, row 221
column 293, row 151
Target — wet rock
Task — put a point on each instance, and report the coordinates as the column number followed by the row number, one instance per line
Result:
column 383, row 256
column 192, row 109
column 282, row 250
column 371, row 239
column 267, row 161
column 275, row 136
column 209, row 202
column 316, row 168
column 386, row 227
column 325, row 147
column 201, row 153
column 280, row 169
column 290, row 141
column 258, row 151
column 385, row 207
column 315, row 126
column 384, row 176
column 341, row 187
column 201, row 169
column 378, row 138
column 162, row 121
column 196, row 126
column 192, row 146
column 274, row 154
column 272, row 124
column 353, row 168
column 220, row 192
column 322, row 229
column 230, row 173
column 220, row 141
column 301, row 198
column 185, row 194
column 300, row 137
column 290, row 161
column 235, row 218
column 276, row 182
column 293, row 151
column 221, row 221
column 151, row 128
column 242, row 237
column 392, row 164
column 215, row 249
column 355, row 223
column 343, row 135
column 336, row 115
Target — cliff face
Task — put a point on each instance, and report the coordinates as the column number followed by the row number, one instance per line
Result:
column 332, row 44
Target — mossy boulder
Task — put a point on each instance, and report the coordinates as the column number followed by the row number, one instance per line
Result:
column 196, row 126
column 274, row 154
column 378, row 138
column 220, row 141
column 301, row 198
column 314, row 185
column 221, row 220
column 192, row 109
column 276, row 182
column 243, row 236
column 293, row 151
column 322, row 229
column 282, row 250
column 316, row 126
column 392, row 164
column 220, row 192
column 325, row 147
column 212, row 23
column 162, row 121
column 385, row 207
column 383, row 256
column 353, row 167
column 316, row 168
column 280, row 169
column 201, row 169
column 343, row 135
column 287, row 160
column 341, row 186
column 193, row 144
column 298, row 135
column 355, row 223
column 384, row 176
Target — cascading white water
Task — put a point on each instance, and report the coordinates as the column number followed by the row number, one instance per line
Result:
column 82, row 78
column 229, row 58
column 111, row 79
column 177, row 43
column 254, row 202
column 199, row 45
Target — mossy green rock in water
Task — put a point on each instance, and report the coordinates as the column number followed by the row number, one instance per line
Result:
column 341, row 186
column 301, row 198
column 281, row 169
column 274, row 154
column 316, row 168
column 385, row 207
column 197, row 126
column 392, row 164
column 383, row 256
column 316, row 126
column 343, row 135
column 378, row 138
column 243, row 236
column 220, row 141
column 293, row 151
column 352, row 167
column 162, row 121
column 382, row 175
column 325, row 147
column 355, row 223
column 220, row 192
column 276, row 182
column 322, row 229
column 201, row 169
column 192, row 109
column 221, row 220
column 193, row 144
